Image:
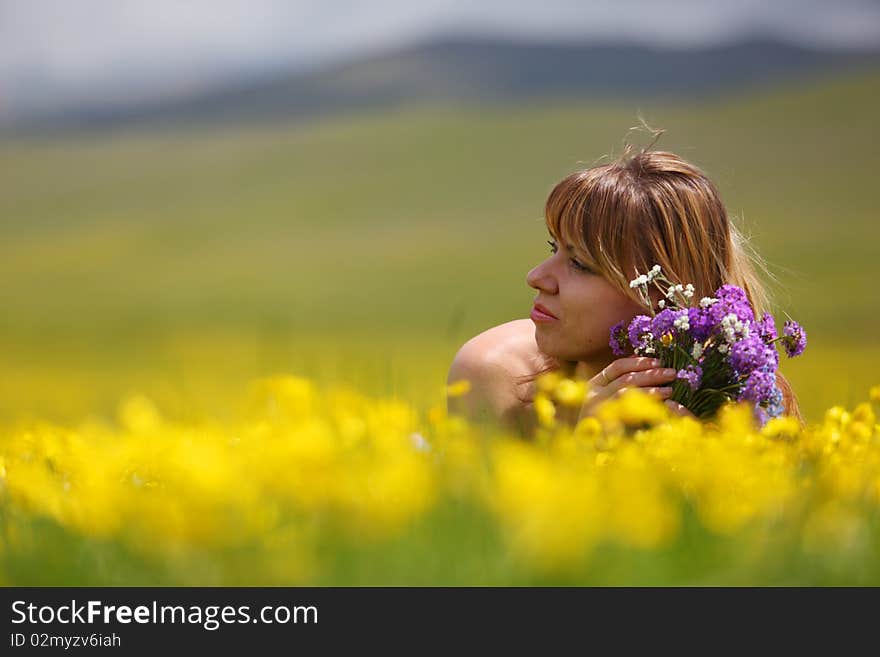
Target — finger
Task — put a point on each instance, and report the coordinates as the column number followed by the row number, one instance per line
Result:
column 663, row 392
column 678, row 409
column 643, row 379
column 632, row 364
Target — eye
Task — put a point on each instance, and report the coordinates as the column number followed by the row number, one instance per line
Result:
column 578, row 265
column 574, row 262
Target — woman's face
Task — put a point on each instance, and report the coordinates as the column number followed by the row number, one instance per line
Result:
column 584, row 307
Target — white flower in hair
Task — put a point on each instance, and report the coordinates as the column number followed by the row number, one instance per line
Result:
column 639, row 280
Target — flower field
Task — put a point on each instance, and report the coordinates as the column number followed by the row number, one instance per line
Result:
column 315, row 485
column 223, row 351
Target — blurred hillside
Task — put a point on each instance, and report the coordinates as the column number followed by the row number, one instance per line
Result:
column 467, row 71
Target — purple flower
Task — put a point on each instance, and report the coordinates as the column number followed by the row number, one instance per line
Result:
column 701, row 323
column 732, row 294
column 751, row 354
column 761, row 415
column 731, row 299
column 767, row 327
column 662, row 322
column 639, row 325
column 770, row 408
column 759, row 386
column 794, row 339
column 618, row 341
column 693, row 374
column 775, row 406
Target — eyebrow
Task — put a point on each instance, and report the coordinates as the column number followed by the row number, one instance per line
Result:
column 568, row 247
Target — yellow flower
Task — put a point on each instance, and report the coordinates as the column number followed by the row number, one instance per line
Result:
column 548, row 382
column 633, row 409
column 570, row 392
column 458, row 388
column 837, row 416
column 864, row 414
column 306, row 469
column 139, row 415
column 588, row 427
column 781, row 427
column 552, row 514
column 545, row 410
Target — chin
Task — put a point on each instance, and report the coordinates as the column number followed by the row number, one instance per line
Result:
column 546, row 345
column 556, row 348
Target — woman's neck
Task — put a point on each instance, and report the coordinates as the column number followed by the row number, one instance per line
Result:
column 587, row 369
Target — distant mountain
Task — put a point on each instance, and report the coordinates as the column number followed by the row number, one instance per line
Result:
column 478, row 71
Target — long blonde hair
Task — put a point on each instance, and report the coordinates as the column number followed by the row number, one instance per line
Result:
column 652, row 207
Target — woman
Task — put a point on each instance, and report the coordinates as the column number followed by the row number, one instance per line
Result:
column 607, row 224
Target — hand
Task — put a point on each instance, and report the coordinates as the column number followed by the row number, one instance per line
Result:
column 625, row 373
column 678, row 409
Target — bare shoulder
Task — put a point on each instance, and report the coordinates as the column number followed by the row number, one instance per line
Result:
column 510, row 347
column 492, row 362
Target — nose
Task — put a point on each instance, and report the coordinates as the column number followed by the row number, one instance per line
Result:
column 542, row 278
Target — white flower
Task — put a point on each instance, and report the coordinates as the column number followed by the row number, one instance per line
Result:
column 639, row 280
column 722, row 348
column 670, row 293
column 705, row 302
column 682, row 322
column 661, row 304
column 697, row 351
column 731, row 326
column 655, row 270
column 689, row 291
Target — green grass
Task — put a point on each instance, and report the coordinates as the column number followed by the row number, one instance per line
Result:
column 366, row 249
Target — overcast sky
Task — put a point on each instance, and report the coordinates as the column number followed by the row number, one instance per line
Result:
column 49, row 48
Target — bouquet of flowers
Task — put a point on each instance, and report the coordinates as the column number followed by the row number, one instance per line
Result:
column 721, row 351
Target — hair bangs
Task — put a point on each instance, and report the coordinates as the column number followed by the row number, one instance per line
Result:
column 584, row 213
column 568, row 217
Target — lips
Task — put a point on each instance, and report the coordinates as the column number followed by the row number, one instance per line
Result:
column 542, row 314
column 544, row 310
